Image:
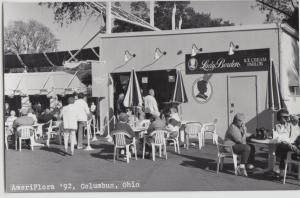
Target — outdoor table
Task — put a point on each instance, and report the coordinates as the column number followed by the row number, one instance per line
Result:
column 138, row 131
column 271, row 150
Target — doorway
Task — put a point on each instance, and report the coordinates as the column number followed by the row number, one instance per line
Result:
column 242, row 98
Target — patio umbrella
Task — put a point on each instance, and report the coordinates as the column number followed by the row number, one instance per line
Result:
column 275, row 100
column 133, row 96
column 179, row 95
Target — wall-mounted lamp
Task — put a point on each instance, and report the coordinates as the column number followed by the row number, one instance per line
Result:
column 232, row 48
column 128, row 56
column 159, row 54
column 195, row 50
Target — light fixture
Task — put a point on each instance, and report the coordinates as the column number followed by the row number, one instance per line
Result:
column 159, row 54
column 195, row 50
column 232, row 48
column 128, row 56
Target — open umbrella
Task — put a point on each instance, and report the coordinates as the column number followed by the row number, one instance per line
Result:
column 133, row 96
column 275, row 101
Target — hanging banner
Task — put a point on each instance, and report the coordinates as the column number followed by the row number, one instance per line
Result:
column 222, row 62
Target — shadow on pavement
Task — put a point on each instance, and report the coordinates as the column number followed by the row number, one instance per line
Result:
column 54, row 150
column 106, row 151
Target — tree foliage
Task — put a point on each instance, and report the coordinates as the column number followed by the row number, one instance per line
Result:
column 280, row 11
column 69, row 12
column 31, row 37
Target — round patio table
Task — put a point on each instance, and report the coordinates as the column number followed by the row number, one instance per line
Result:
column 272, row 143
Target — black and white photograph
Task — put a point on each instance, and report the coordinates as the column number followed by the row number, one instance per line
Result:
column 150, row 96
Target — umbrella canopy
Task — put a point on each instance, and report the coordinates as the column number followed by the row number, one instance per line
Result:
column 274, row 96
column 179, row 95
column 133, row 95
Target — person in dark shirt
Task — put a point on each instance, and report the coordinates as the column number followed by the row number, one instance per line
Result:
column 123, row 126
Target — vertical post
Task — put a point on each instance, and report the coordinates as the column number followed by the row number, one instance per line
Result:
column 152, row 13
column 173, row 17
column 108, row 17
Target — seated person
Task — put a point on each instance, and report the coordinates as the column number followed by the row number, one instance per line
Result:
column 122, row 125
column 10, row 119
column 174, row 114
column 45, row 117
column 287, row 134
column 173, row 127
column 236, row 137
column 156, row 124
column 32, row 115
column 24, row 120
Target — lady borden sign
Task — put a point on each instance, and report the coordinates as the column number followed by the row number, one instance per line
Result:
column 221, row 62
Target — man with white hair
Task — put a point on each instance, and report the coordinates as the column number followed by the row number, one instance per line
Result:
column 150, row 104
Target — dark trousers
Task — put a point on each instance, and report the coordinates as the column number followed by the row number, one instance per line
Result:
column 246, row 151
column 81, row 125
column 282, row 150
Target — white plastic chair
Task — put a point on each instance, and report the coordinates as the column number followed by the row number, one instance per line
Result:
column 53, row 131
column 210, row 128
column 175, row 141
column 290, row 161
column 158, row 139
column 120, row 143
column 226, row 151
column 24, row 133
column 193, row 129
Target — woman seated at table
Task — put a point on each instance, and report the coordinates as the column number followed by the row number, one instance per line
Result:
column 122, row 125
column 286, row 133
column 173, row 123
column 156, row 124
column 236, row 137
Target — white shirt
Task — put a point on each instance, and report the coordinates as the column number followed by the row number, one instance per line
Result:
column 70, row 116
column 82, row 109
column 283, row 132
column 33, row 116
column 175, row 116
column 150, row 104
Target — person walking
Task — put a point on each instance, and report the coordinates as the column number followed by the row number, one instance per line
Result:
column 70, row 116
column 83, row 112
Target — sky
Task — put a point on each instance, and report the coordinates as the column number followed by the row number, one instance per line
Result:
column 74, row 36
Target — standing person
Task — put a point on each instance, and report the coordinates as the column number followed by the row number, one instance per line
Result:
column 83, row 113
column 286, row 133
column 150, row 104
column 6, row 110
column 119, row 104
column 236, row 137
column 70, row 116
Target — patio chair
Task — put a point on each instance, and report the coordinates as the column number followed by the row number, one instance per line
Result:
column 175, row 141
column 158, row 139
column 53, row 131
column 210, row 128
column 288, row 162
column 24, row 133
column 193, row 129
column 226, row 151
column 120, row 143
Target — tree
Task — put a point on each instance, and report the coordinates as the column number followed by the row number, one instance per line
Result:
column 280, row 11
column 32, row 37
column 69, row 12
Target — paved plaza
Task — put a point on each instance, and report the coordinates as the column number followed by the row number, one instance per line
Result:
column 48, row 169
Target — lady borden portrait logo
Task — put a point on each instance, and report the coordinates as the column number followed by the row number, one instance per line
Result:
column 202, row 90
column 192, row 64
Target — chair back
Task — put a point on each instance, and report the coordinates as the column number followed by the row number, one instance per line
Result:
column 223, row 149
column 159, row 136
column 193, row 128
column 25, row 131
column 119, row 138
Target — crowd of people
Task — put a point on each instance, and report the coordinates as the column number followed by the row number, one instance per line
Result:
column 76, row 113
column 72, row 118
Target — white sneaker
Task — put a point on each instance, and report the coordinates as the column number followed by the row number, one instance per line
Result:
column 122, row 152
